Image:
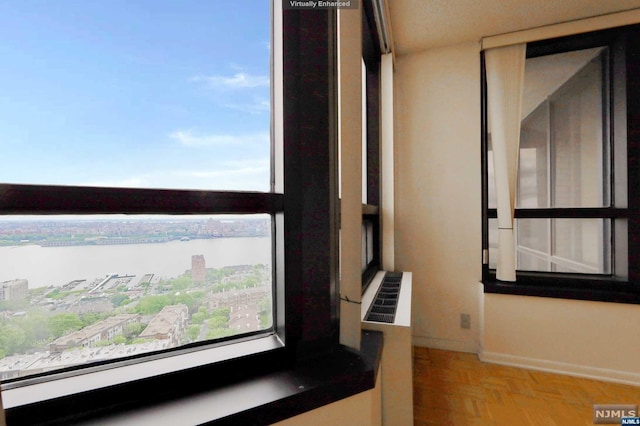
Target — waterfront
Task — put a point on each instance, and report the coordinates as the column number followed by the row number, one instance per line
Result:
column 44, row 266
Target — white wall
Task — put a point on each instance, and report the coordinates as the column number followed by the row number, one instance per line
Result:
column 438, row 237
column 437, row 192
column 591, row 339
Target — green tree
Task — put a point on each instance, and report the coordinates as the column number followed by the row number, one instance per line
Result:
column 11, row 338
column 193, row 332
column 218, row 333
column 53, row 294
column 264, row 313
column 152, row 304
column 64, row 323
column 188, row 300
column 219, row 318
column 133, row 329
column 91, row 318
column 198, row 318
column 139, row 340
column 221, row 312
column 36, row 328
column 181, row 283
column 14, row 305
column 218, row 322
column 119, row 299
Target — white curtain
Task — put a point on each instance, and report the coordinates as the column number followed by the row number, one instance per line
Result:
column 505, row 78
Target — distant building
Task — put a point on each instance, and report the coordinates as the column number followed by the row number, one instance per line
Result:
column 169, row 323
column 92, row 305
column 14, row 290
column 22, row 365
column 87, row 337
column 198, row 269
column 237, row 297
column 213, row 228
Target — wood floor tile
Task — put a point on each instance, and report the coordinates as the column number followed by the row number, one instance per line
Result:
column 452, row 388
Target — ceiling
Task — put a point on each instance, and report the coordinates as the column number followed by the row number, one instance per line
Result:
column 425, row 24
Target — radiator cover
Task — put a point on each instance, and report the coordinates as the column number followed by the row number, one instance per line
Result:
column 397, row 352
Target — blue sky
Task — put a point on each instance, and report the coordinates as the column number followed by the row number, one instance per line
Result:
column 149, row 93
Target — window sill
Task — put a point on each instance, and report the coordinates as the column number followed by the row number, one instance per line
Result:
column 566, row 287
column 258, row 398
column 39, row 390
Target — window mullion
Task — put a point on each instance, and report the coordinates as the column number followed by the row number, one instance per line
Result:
column 42, row 199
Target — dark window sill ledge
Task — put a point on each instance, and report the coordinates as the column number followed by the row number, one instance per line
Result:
column 269, row 398
column 556, row 288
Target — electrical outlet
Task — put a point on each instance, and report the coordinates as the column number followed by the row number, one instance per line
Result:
column 465, row 321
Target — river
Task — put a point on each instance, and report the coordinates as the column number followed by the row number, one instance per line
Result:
column 44, row 266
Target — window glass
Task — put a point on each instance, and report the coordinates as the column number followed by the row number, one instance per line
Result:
column 150, row 94
column 563, row 142
column 533, row 174
column 493, row 243
column 156, row 94
column 564, row 245
column 367, row 244
column 365, row 146
column 76, row 290
column 563, row 163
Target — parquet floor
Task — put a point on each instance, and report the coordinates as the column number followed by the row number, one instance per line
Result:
column 454, row 388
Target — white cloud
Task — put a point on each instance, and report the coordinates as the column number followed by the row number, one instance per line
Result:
column 232, row 175
column 238, row 80
column 259, row 106
column 246, row 175
column 186, row 137
column 130, row 182
column 230, row 168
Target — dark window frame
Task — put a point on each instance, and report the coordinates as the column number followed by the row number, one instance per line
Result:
column 616, row 287
column 371, row 209
column 306, row 317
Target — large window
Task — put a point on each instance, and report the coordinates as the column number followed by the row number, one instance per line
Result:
column 123, row 99
column 101, row 176
column 574, row 216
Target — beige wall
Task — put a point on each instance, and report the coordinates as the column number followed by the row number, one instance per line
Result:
column 592, row 339
column 437, row 192
column 438, row 237
column 350, row 138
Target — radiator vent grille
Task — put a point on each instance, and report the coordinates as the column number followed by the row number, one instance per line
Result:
column 383, row 308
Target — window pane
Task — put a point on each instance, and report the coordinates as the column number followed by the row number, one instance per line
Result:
column 563, row 107
column 365, row 145
column 558, row 245
column 78, row 290
column 578, row 159
column 582, row 245
column 563, row 163
column 533, row 244
column 493, row 243
column 533, row 187
column 157, row 94
column 491, row 180
column 367, row 244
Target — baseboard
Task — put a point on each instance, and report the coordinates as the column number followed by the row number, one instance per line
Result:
column 615, row 376
column 445, row 344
